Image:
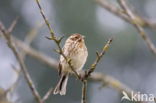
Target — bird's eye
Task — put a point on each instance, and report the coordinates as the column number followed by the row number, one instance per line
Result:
column 76, row 37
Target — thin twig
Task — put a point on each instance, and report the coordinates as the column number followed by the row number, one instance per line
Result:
column 45, row 19
column 12, row 26
column 46, row 96
column 56, row 40
column 84, row 92
column 21, row 63
column 98, row 58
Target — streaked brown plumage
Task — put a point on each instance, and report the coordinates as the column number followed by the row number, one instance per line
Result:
column 74, row 49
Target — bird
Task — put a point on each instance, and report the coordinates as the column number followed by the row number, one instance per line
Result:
column 75, row 50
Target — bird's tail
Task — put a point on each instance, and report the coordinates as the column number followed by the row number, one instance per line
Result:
column 61, row 85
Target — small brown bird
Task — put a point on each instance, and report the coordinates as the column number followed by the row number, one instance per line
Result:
column 74, row 49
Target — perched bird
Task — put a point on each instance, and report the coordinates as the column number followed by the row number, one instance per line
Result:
column 75, row 50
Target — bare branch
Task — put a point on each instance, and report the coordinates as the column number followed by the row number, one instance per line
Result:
column 12, row 26
column 138, row 26
column 84, row 92
column 45, row 19
column 98, row 58
column 127, row 15
column 46, row 96
column 144, row 22
column 31, row 85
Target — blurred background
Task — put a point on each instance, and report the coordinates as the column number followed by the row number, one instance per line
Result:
column 128, row 59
